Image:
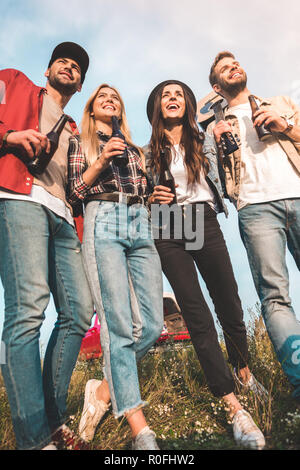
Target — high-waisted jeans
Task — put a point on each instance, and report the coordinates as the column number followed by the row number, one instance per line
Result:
column 266, row 230
column 40, row 254
column 214, row 265
column 125, row 276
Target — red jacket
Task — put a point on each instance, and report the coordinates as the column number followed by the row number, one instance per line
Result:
column 20, row 106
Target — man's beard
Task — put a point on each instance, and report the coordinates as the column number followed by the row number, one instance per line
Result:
column 66, row 89
column 233, row 89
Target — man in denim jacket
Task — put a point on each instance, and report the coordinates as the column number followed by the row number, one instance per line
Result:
column 263, row 181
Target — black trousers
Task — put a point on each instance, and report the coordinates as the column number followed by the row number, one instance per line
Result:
column 214, row 265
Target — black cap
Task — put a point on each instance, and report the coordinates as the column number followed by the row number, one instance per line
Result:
column 71, row 50
column 150, row 102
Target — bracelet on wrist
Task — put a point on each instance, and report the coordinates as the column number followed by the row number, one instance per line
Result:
column 4, row 138
column 289, row 125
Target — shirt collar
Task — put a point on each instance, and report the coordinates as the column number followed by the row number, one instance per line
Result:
column 103, row 136
column 262, row 101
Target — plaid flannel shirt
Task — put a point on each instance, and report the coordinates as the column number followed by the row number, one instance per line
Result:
column 130, row 179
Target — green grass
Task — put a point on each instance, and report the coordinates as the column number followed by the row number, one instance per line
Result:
column 181, row 409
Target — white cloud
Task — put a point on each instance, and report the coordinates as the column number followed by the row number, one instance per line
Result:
column 295, row 91
column 140, row 42
column 134, row 44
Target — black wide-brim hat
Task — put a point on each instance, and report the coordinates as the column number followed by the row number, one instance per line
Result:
column 73, row 51
column 150, row 102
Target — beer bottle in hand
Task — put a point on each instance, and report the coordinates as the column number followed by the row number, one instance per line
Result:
column 122, row 159
column 263, row 132
column 228, row 142
column 38, row 164
column 166, row 177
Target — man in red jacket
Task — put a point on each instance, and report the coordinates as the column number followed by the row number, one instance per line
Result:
column 40, row 252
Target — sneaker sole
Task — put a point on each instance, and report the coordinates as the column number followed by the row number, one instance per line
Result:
column 87, row 393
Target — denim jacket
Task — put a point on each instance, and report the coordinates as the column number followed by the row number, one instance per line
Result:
column 212, row 178
column 287, row 109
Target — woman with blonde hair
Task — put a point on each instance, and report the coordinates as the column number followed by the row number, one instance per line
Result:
column 121, row 261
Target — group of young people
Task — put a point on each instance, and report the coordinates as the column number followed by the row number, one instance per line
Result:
column 117, row 269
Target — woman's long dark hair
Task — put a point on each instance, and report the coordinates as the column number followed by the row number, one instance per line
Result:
column 191, row 141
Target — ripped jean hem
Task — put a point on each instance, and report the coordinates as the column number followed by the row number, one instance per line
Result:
column 138, row 406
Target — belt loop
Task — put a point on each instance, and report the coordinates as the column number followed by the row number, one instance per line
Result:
column 122, row 198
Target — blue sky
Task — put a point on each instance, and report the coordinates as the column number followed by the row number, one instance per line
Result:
column 135, row 44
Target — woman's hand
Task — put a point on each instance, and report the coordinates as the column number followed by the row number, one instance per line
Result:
column 115, row 146
column 161, row 195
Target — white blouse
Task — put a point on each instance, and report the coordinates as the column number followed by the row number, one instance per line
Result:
column 194, row 192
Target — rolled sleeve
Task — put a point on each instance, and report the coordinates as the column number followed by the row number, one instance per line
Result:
column 77, row 188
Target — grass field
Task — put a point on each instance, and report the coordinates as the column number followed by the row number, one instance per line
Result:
column 181, row 409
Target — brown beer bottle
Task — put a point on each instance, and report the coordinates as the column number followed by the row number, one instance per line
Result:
column 228, row 142
column 262, row 131
column 166, row 177
column 122, row 159
column 38, row 164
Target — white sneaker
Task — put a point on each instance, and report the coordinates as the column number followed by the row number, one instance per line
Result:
column 50, row 446
column 255, row 386
column 145, row 440
column 93, row 411
column 245, row 431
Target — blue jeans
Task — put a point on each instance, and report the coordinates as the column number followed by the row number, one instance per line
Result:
column 125, row 276
column 266, row 229
column 40, row 253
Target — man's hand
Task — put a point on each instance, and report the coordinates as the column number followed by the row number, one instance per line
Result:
column 161, row 195
column 220, row 128
column 271, row 119
column 30, row 141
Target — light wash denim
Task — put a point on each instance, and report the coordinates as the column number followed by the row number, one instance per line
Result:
column 266, row 229
column 40, row 253
column 125, row 276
